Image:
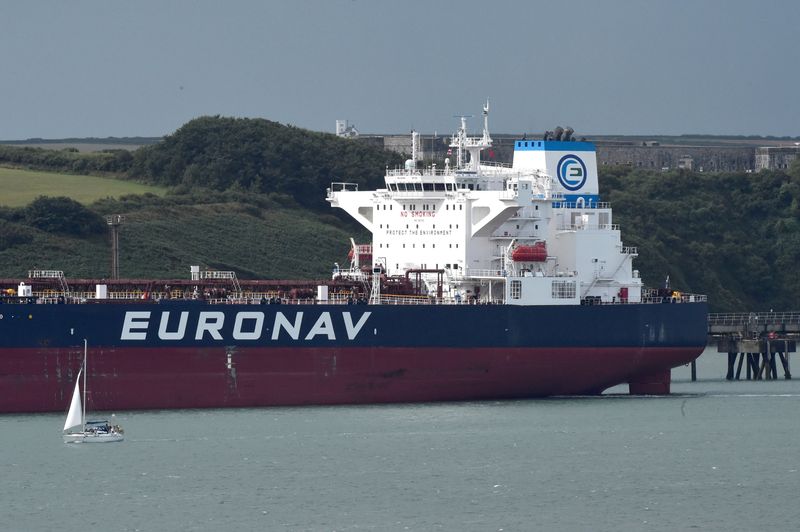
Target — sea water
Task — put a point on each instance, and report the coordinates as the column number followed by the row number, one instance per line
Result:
column 715, row 455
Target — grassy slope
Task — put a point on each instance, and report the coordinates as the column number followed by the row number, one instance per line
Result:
column 20, row 187
column 164, row 242
column 275, row 244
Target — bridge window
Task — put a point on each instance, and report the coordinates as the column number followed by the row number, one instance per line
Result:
column 516, row 289
column 563, row 289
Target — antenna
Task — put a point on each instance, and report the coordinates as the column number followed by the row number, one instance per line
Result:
column 486, row 137
column 463, row 119
column 459, row 140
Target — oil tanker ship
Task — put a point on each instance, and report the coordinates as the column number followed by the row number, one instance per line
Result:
column 482, row 281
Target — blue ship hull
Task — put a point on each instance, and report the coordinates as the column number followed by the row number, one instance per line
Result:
column 185, row 354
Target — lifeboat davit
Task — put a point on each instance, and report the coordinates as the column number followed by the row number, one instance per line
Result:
column 534, row 253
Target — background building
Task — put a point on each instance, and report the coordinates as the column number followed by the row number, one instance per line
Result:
column 776, row 157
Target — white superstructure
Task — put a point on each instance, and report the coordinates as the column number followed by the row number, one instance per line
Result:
column 532, row 233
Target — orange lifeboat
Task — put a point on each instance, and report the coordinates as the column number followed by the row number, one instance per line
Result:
column 364, row 254
column 534, row 253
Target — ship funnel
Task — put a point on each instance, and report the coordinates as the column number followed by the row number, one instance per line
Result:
column 568, row 133
column 557, row 132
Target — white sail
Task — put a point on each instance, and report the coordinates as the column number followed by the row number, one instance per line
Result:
column 75, row 415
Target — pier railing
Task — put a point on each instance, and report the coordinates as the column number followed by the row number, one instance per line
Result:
column 753, row 323
column 753, row 318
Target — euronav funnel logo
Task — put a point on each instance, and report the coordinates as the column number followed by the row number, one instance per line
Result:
column 571, row 172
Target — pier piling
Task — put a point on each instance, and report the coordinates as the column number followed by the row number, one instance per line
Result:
column 756, row 341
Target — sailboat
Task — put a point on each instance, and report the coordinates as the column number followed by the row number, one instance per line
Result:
column 76, row 428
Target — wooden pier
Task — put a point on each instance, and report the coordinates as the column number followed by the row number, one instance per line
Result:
column 755, row 340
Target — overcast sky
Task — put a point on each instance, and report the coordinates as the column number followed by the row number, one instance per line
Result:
column 144, row 68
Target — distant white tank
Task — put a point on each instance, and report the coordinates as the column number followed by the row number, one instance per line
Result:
column 25, row 290
column 101, row 291
column 322, row 293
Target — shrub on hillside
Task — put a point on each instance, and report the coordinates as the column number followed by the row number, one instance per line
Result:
column 62, row 215
column 13, row 234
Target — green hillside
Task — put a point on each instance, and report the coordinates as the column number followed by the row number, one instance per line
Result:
column 235, row 187
column 158, row 242
column 21, row 186
column 735, row 237
column 260, row 156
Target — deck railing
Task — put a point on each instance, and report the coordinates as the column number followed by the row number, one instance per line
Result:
column 272, row 298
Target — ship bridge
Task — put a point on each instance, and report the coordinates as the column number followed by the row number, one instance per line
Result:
column 539, row 221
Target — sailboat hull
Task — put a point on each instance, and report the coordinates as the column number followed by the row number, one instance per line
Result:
column 82, row 437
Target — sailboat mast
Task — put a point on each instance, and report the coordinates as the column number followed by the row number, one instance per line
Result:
column 85, row 348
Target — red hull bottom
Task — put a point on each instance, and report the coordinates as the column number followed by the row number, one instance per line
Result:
column 42, row 380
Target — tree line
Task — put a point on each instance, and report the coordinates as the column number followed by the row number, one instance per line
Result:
column 733, row 236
